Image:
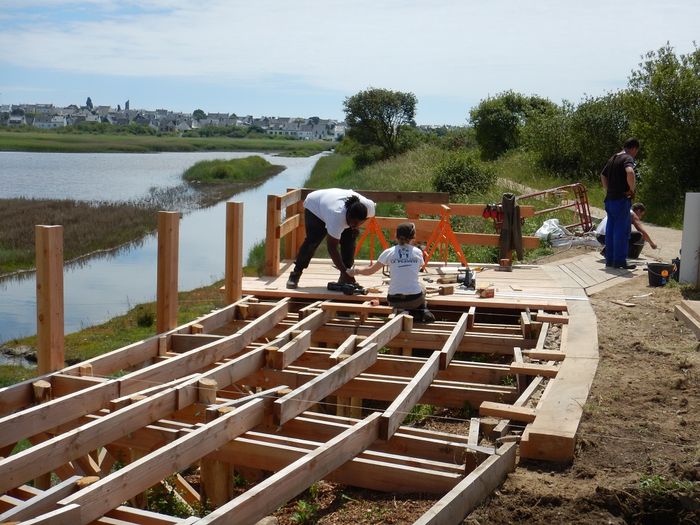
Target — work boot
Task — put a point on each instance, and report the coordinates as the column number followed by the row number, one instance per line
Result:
column 346, row 279
column 293, row 281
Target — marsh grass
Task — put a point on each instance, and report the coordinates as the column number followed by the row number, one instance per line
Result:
column 98, row 143
column 87, row 227
column 220, row 171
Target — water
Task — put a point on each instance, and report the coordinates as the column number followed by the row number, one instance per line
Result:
column 109, row 284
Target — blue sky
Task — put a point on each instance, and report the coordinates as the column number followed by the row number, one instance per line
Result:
column 303, row 57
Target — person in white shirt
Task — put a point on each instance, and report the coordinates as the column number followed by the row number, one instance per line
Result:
column 334, row 213
column 405, row 262
column 636, row 238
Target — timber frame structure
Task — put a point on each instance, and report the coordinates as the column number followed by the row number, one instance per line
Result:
column 288, row 387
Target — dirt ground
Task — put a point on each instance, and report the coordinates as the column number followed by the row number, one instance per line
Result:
column 638, row 453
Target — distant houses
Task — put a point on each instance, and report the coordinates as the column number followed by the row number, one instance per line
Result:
column 48, row 116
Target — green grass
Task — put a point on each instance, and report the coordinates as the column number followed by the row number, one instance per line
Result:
column 220, row 171
column 96, row 143
column 119, row 331
column 521, row 167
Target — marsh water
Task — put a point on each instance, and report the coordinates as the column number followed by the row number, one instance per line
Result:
column 106, row 285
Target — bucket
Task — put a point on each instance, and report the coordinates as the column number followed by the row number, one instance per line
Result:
column 659, row 273
column 635, row 250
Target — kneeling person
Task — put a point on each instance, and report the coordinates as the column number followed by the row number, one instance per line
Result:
column 404, row 261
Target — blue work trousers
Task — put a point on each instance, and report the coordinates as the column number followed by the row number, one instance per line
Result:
column 617, row 231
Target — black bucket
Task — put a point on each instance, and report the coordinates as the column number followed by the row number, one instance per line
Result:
column 635, row 250
column 659, row 273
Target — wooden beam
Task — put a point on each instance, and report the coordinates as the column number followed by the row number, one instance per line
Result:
column 61, row 516
column 234, row 252
column 43, row 502
column 294, row 479
column 393, row 416
column 386, row 333
column 452, row 343
column 168, row 250
column 472, row 490
column 109, row 492
column 281, row 358
column 503, row 410
column 49, row 298
column 533, row 369
column 323, row 385
column 272, row 241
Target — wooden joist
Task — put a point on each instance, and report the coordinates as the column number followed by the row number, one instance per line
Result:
column 516, row 413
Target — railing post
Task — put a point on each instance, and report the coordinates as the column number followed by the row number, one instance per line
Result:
column 166, row 302
column 272, row 241
column 234, row 251
column 49, row 298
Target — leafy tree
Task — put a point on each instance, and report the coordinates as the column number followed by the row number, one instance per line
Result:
column 664, row 105
column 548, row 134
column 599, row 125
column 498, row 121
column 379, row 117
column 198, row 114
column 88, row 103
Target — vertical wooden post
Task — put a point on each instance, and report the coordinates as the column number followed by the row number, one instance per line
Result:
column 168, row 237
column 49, row 298
column 272, row 241
column 42, row 394
column 234, row 251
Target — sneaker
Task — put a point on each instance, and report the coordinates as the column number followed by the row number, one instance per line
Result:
column 428, row 316
column 293, row 281
column 626, row 266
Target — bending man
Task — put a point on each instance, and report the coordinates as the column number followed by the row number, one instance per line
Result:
column 636, row 238
column 336, row 214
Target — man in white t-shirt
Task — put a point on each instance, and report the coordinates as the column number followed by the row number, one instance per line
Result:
column 404, row 261
column 636, row 238
column 334, row 214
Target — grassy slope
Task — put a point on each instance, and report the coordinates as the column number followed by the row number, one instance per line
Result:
column 85, row 143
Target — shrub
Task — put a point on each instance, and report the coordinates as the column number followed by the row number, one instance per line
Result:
column 462, row 174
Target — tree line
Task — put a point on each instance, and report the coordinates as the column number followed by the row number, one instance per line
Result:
column 660, row 106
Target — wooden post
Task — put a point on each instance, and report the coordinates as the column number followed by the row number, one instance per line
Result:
column 42, row 394
column 272, row 242
column 234, row 251
column 49, row 298
column 168, row 236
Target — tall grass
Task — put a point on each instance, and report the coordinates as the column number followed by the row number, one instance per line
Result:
column 87, row 227
column 84, row 143
column 521, row 166
column 220, row 171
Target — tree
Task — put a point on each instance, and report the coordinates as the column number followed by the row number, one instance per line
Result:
column 378, row 118
column 498, row 121
column 198, row 114
column 664, row 105
column 88, row 103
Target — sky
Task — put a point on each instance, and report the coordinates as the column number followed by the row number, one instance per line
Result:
column 302, row 58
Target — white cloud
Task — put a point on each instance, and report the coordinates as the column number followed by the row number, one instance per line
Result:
column 433, row 48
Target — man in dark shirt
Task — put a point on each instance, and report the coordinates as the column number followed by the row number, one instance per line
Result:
column 619, row 182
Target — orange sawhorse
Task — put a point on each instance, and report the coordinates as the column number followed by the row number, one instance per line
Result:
column 443, row 237
column 372, row 230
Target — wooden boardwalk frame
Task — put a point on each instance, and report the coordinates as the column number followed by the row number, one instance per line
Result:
column 293, row 386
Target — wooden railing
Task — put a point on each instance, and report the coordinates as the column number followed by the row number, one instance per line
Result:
column 417, row 205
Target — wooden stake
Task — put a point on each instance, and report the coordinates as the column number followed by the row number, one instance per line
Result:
column 49, row 298
column 168, row 238
column 234, row 251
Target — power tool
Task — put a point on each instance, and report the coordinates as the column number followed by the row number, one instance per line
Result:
column 347, row 288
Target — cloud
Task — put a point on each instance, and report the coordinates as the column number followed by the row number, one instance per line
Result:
column 438, row 48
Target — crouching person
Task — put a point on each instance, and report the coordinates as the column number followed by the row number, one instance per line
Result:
column 404, row 261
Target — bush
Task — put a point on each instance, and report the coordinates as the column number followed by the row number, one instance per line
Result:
column 144, row 317
column 462, row 174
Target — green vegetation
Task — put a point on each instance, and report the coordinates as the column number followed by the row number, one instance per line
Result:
column 379, row 121
column 14, row 140
column 220, row 171
column 119, row 331
column 661, row 107
column 659, row 485
column 304, row 512
column 462, row 174
column 418, row 413
column 87, row 227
